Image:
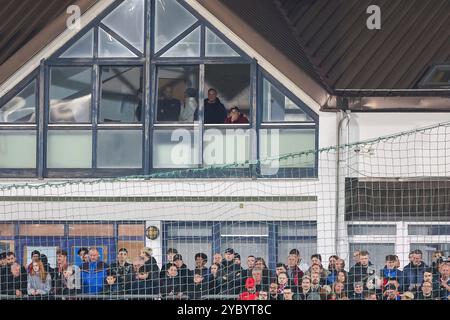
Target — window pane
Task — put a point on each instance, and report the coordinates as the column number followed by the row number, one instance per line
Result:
column 175, row 149
column 306, row 248
column 83, row 48
column 244, row 228
column 377, row 252
column 109, row 47
column 69, row 149
column 188, row 249
column 121, row 97
column 127, row 20
column 232, row 82
column 17, row 149
column 36, row 230
column 119, row 149
column 22, row 107
column 177, row 94
column 171, row 20
column 246, row 246
column 226, row 146
column 276, row 142
column 364, row 230
column 278, row 107
column 216, row 47
column 428, row 230
column 297, row 228
column 428, row 249
column 187, row 47
column 70, row 94
column 186, row 229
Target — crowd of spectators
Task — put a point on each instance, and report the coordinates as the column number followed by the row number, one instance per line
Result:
column 226, row 277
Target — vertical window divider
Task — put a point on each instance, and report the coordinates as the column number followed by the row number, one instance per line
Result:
column 95, row 101
column 41, row 85
column 202, row 41
column 254, row 120
column 201, row 106
column 148, row 73
column 149, row 118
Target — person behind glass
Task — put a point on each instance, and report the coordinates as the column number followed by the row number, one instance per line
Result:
column 39, row 281
column 149, row 261
column 215, row 112
column 198, row 286
column 122, row 269
column 171, row 252
column 83, row 255
column 201, row 259
column 170, row 286
column 111, row 287
column 93, row 273
column 190, row 105
column 168, row 106
column 236, row 116
column 143, row 283
column 67, row 277
column 15, row 281
column 215, row 279
column 35, row 256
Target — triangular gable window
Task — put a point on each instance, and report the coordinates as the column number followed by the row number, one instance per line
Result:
column 83, row 48
column 189, row 46
column 109, row 47
column 277, row 107
column 22, row 107
column 216, row 47
column 127, row 20
column 171, row 20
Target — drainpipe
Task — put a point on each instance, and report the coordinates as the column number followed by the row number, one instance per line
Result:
column 345, row 118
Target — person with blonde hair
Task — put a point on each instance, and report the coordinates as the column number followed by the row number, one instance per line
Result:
column 149, row 261
column 39, row 280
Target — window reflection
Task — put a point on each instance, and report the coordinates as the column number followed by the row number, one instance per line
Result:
column 121, row 95
column 70, row 94
column 177, row 94
column 20, row 108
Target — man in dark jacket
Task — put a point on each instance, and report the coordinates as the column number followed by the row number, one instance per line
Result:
column 360, row 271
column 214, row 111
column 198, row 286
column 185, row 275
column 413, row 272
column 230, row 272
column 122, row 269
column 168, row 106
column 15, row 281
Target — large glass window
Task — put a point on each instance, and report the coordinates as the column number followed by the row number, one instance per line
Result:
column 17, row 149
column 232, row 83
column 277, row 107
column 69, row 149
column 70, row 94
column 177, row 94
column 177, row 148
column 127, row 20
column 21, row 108
column 121, row 95
column 171, row 20
column 119, row 149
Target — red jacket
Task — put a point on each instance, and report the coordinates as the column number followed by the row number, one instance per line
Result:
column 248, row 296
column 241, row 119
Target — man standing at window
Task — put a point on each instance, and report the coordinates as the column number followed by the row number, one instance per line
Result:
column 168, row 106
column 215, row 112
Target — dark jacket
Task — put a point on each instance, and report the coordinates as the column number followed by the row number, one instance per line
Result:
column 197, row 291
column 10, row 283
column 215, row 113
column 171, row 286
column 144, row 287
column 359, row 273
column 124, row 274
column 168, row 110
column 392, row 274
column 413, row 276
column 215, row 284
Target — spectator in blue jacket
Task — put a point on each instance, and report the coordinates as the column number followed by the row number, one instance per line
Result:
column 93, row 273
column 390, row 272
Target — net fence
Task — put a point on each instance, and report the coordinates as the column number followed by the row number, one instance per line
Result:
column 368, row 220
